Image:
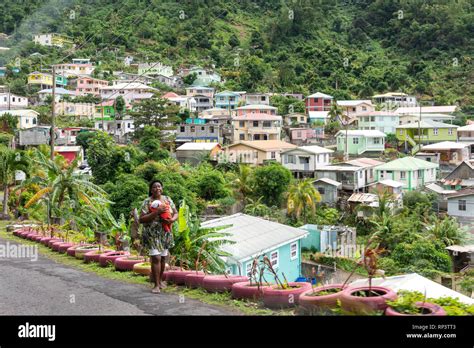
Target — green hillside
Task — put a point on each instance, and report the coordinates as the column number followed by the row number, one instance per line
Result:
column 350, row 49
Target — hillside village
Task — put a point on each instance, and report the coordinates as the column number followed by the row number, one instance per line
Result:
column 304, row 180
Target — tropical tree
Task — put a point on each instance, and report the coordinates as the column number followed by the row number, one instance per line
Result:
column 271, row 181
column 302, row 197
column 242, row 183
column 256, row 207
column 61, row 187
column 10, row 162
column 119, row 107
column 335, row 112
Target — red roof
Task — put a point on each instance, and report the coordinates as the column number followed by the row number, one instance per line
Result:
column 170, row 95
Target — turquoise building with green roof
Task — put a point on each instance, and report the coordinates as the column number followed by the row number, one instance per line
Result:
column 412, row 172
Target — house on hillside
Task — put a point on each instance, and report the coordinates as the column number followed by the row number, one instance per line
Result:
column 355, row 175
column 46, row 80
column 361, row 141
column 451, row 153
column 122, row 130
column 412, row 172
column 27, row 118
column 256, row 109
column 256, row 237
column 466, row 134
column 383, row 121
column 352, row 108
column 433, row 113
column 425, row 132
column 318, row 102
column 307, row 135
column 302, row 161
column 395, row 99
column 257, row 127
column 295, row 119
column 155, row 68
column 199, row 130
column 328, row 190
column 257, row 99
column 460, row 177
column 461, row 206
column 194, row 153
column 131, row 92
column 204, row 77
column 228, row 100
column 52, row 39
column 203, row 97
column 70, row 153
column 78, row 110
column 331, row 240
column 12, row 101
column 59, row 94
column 78, row 67
column 255, row 152
column 84, row 85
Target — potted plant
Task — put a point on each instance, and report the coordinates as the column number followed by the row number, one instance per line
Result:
column 109, row 258
column 368, row 299
column 195, row 279
column 282, row 294
column 253, row 288
column 413, row 303
column 143, row 268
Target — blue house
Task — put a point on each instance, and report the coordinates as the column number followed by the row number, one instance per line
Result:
column 330, row 239
column 256, row 237
column 3, row 71
column 227, row 100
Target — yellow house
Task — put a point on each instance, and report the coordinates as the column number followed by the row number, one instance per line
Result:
column 39, row 78
column 255, row 152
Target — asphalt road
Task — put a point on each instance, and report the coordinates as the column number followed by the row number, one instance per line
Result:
column 45, row 287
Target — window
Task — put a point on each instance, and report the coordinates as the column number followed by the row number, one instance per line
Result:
column 119, row 126
column 355, row 141
column 360, row 174
column 211, row 129
column 403, row 175
column 450, row 131
column 193, row 129
column 420, row 173
column 291, row 159
column 293, row 251
column 302, row 119
column 241, row 136
column 462, row 205
column 435, row 131
column 27, row 120
column 274, row 259
column 273, row 155
column 372, row 118
column 364, row 108
column 255, row 123
column 203, row 128
column 267, row 124
column 129, row 125
column 241, row 123
column 321, row 190
column 376, row 140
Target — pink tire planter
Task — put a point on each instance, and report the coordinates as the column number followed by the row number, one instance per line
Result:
column 45, row 240
column 54, row 240
column 426, row 309
column 194, row 280
column 62, row 248
column 355, row 300
column 72, row 250
column 245, row 290
column 311, row 301
column 221, row 283
column 37, row 238
column 55, row 245
column 110, row 257
column 84, row 249
column 178, row 276
column 94, row 256
column 22, row 234
column 126, row 263
column 273, row 297
column 31, row 235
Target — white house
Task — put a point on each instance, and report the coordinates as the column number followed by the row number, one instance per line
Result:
column 119, row 129
column 12, row 101
column 27, row 118
column 304, row 160
column 155, row 68
column 461, row 206
column 59, row 93
column 354, row 107
column 129, row 91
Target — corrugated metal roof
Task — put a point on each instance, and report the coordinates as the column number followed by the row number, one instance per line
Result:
column 364, row 162
column 370, row 133
column 254, row 235
column 438, row 189
column 407, row 163
column 314, row 149
column 197, row 146
column 329, row 181
column 445, row 145
column 426, row 109
column 319, row 95
column 257, row 117
column 426, row 124
column 363, row 198
column 391, row 183
column 353, row 102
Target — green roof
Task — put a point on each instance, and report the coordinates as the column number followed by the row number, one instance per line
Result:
column 407, row 163
column 427, row 124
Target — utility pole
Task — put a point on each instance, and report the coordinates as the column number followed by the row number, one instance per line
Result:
column 419, row 125
column 53, row 112
column 9, row 96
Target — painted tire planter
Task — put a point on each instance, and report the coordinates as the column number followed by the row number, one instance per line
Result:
column 22, row 234
column 126, row 263
column 178, row 276
column 426, row 309
column 308, row 301
column 54, row 240
column 84, row 249
column 143, row 268
column 55, row 245
column 194, row 280
column 94, row 256
column 243, row 290
column 363, row 305
column 31, row 235
column 221, row 283
column 38, row 238
column 110, row 257
column 62, row 248
column 45, row 240
column 71, row 251
column 284, row 298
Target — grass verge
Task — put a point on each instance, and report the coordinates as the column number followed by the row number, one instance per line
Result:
column 223, row 300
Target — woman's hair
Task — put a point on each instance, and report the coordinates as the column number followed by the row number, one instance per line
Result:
column 151, row 186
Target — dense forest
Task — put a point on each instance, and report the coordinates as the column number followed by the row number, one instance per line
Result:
column 350, row 49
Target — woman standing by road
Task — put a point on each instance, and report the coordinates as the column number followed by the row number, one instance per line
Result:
column 156, row 238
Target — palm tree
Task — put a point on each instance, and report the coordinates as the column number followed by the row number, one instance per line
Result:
column 10, row 162
column 336, row 112
column 302, row 195
column 59, row 184
column 256, row 207
column 242, row 182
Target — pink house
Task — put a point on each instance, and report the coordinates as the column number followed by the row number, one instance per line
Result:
column 306, row 135
column 89, row 85
column 256, row 109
